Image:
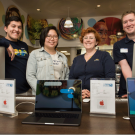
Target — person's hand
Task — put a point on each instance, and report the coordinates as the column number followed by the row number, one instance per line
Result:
column 11, row 52
column 85, row 93
column 124, row 96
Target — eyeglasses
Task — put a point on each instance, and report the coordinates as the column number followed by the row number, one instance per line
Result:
column 50, row 37
column 85, row 38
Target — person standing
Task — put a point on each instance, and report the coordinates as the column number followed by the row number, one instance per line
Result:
column 16, row 69
column 93, row 64
column 123, row 50
column 47, row 63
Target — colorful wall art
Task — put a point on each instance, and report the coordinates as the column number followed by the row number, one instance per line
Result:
column 35, row 27
column 70, row 33
column 108, row 29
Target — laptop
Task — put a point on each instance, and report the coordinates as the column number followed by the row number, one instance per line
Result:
column 57, row 102
column 131, row 100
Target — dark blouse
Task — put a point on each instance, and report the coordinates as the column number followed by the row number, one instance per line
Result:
column 100, row 65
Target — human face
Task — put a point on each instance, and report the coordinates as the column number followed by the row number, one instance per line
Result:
column 89, row 41
column 103, row 32
column 13, row 30
column 51, row 40
column 129, row 24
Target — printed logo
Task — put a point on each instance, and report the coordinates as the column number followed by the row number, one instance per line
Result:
column 101, row 102
column 96, row 60
column 108, row 85
column 9, row 85
column 5, row 102
column 20, row 52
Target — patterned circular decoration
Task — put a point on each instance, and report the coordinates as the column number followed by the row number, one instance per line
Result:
column 91, row 22
column 70, row 33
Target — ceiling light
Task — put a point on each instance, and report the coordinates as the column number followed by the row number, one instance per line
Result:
column 38, row 10
column 98, row 5
column 68, row 22
column 63, row 51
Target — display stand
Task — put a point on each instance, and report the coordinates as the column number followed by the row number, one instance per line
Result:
column 10, row 115
column 7, row 98
column 102, row 102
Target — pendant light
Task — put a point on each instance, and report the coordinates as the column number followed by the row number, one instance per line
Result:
column 68, row 22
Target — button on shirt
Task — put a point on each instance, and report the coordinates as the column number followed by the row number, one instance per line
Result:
column 127, row 45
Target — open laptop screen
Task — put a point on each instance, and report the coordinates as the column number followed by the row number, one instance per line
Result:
column 58, row 95
column 131, row 95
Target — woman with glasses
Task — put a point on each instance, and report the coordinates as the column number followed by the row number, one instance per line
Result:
column 46, row 63
column 92, row 64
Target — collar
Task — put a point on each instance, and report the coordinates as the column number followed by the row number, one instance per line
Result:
column 127, row 40
column 43, row 50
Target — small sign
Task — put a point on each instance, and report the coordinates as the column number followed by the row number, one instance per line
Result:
column 102, row 96
column 124, row 50
column 7, row 96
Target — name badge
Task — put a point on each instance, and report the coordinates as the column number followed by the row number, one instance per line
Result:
column 124, row 50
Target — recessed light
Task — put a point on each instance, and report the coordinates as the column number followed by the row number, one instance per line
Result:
column 38, row 10
column 98, row 5
column 63, row 51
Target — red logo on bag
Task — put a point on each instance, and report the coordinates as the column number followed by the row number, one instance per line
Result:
column 102, row 102
column 5, row 102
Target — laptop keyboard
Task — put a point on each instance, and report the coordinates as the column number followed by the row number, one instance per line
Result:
column 57, row 115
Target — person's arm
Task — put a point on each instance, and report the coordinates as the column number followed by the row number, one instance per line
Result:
column 4, row 43
column 31, row 71
column 11, row 52
column 119, row 58
column 9, row 48
column 126, row 71
column 125, row 68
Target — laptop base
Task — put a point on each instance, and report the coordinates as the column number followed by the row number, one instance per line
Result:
column 52, row 121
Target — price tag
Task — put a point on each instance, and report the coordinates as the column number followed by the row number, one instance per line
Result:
column 7, row 96
column 102, row 96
